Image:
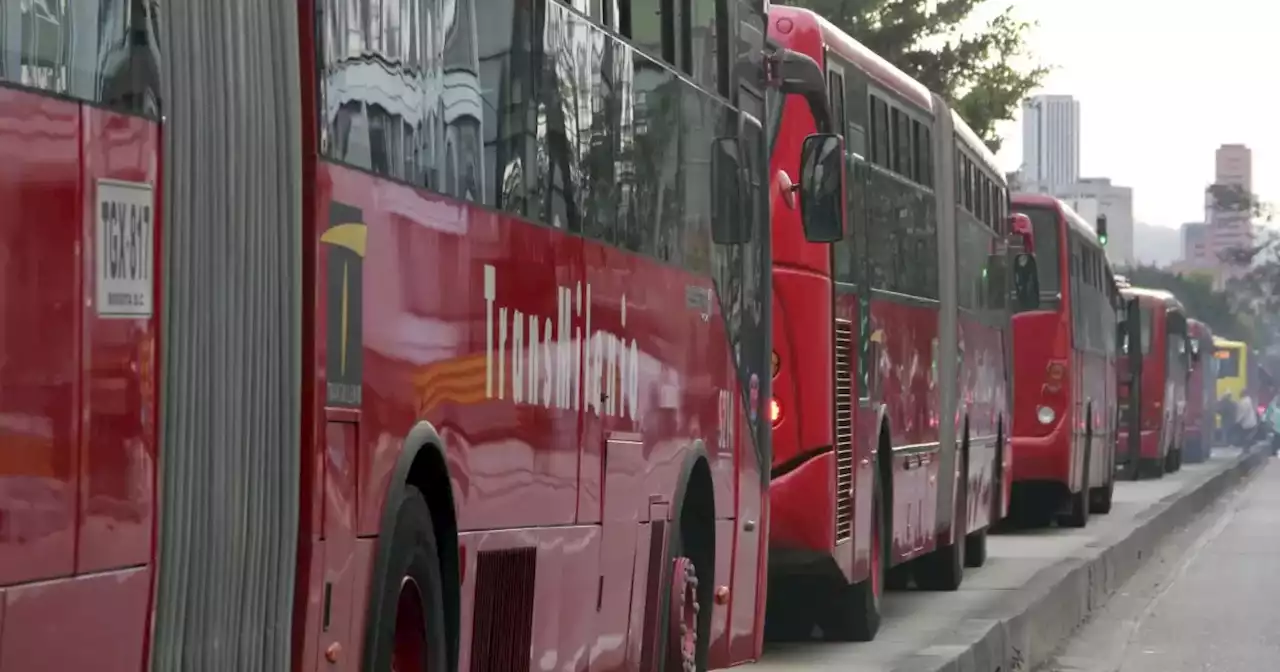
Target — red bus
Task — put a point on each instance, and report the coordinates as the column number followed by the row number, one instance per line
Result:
column 1065, row 373
column 883, row 467
column 1202, row 385
column 1152, row 384
column 371, row 356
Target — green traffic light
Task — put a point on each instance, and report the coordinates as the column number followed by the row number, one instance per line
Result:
column 1102, row 239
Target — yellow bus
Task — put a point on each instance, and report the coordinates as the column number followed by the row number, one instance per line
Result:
column 1233, row 367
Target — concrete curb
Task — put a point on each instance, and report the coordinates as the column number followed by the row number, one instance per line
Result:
column 1023, row 631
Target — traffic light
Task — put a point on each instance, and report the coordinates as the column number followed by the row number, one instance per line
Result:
column 1102, row 229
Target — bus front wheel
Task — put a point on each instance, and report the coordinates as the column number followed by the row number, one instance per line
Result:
column 853, row 612
column 408, row 632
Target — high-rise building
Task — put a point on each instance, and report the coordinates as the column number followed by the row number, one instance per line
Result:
column 1050, row 141
column 1230, row 229
column 1233, row 165
column 1195, row 243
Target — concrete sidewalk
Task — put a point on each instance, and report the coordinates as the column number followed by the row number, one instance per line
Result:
column 1036, row 588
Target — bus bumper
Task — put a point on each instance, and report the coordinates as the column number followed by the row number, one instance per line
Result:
column 1042, row 458
column 802, row 513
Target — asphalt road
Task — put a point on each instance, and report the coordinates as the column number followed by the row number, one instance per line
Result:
column 918, row 622
column 1208, row 601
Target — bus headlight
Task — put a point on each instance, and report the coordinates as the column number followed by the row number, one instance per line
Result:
column 1045, row 415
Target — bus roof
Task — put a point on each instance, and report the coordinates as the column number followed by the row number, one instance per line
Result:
column 1162, row 295
column 976, row 145
column 1074, row 220
column 883, row 73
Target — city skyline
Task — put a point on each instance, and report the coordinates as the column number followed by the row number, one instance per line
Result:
column 1164, row 151
column 1051, row 165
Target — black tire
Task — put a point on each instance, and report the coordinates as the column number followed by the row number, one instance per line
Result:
column 943, row 569
column 852, row 613
column 1172, row 460
column 1100, row 499
column 684, row 536
column 975, row 551
column 1078, row 516
column 412, row 553
column 975, row 548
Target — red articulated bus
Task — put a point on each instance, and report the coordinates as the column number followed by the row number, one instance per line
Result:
column 392, row 336
column 1202, row 385
column 1152, row 385
column 1065, row 373
column 890, row 345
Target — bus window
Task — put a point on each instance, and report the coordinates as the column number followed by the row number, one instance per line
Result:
column 1148, row 321
column 1228, row 362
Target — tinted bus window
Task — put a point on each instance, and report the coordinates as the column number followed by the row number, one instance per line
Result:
column 1044, row 225
column 1228, row 362
column 105, row 52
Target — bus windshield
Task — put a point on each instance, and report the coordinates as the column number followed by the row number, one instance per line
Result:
column 1228, row 362
column 1044, row 225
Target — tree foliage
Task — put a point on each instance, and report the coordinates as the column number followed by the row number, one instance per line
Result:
column 1202, row 302
column 984, row 73
column 1235, row 199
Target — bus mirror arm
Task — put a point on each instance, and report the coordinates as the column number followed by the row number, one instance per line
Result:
column 794, row 72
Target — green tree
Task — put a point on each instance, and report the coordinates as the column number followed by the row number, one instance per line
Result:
column 984, row 73
column 1254, row 288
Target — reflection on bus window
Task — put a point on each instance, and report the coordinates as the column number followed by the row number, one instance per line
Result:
column 103, row 51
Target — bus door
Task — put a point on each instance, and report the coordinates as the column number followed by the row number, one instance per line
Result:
column 855, row 340
column 1129, row 388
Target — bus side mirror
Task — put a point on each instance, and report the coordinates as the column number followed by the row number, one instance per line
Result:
column 1026, row 282
column 1021, row 232
column 822, row 191
column 731, row 200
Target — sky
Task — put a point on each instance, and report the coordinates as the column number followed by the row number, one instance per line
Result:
column 1161, row 85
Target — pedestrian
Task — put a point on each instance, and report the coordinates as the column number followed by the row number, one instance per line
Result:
column 1226, row 419
column 1272, row 419
column 1246, row 420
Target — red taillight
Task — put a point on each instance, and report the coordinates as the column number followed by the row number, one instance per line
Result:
column 775, row 411
column 1054, row 373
